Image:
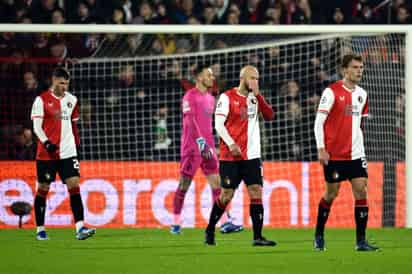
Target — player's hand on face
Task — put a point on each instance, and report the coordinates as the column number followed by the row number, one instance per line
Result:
column 323, row 156
column 235, row 150
column 254, row 86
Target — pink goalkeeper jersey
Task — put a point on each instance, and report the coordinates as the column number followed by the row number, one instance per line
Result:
column 197, row 111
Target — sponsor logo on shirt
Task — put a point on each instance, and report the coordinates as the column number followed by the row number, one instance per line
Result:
column 243, row 114
column 61, row 115
column 352, row 110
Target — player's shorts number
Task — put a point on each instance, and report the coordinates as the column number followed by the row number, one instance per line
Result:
column 364, row 163
column 76, row 164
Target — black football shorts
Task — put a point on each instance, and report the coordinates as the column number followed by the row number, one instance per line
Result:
column 66, row 168
column 233, row 172
column 337, row 171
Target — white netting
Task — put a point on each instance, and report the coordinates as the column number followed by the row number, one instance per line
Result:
column 131, row 112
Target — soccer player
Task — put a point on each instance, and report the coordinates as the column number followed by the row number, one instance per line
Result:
column 198, row 145
column 237, row 123
column 339, row 141
column 54, row 114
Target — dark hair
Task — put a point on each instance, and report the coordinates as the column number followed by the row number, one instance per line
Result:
column 61, row 72
column 349, row 57
column 200, row 67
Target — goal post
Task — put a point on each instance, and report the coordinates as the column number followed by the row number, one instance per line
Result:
column 311, row 32
column 408, row 126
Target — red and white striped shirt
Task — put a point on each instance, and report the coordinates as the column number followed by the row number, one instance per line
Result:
column 344, row 109
column 241, row 115
column 57, row 115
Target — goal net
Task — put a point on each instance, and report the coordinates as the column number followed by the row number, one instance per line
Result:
column 131, row 125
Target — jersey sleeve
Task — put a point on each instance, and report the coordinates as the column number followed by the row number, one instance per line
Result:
column 37, row 110
column 326, row 101
column 365, row 110
column 187, row 105
column 222, row 107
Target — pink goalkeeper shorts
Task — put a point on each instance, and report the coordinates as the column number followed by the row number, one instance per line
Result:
column 189, row 164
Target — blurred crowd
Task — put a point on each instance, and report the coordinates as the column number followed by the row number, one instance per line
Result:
column 205, row 11
column 130, row 108
column 272, row 12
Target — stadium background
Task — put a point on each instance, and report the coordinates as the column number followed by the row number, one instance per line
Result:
column 27, row 59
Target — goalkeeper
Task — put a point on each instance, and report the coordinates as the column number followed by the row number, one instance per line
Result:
column 198, row 146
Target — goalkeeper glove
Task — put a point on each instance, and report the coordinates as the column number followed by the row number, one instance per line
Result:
column 50, row 147
column 204, row 149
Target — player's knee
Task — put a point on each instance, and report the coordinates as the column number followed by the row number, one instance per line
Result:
column 72, row 182
column 361, row 193
column 331, row 195
column 255, row 191
column 226, row 196
column 184, row 183
column 184, row 186
column 43, row 190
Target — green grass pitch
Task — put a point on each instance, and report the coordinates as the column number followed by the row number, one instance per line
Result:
column 146, row 251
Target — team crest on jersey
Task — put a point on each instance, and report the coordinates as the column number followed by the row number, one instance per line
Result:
column 253, row 101
column 323, row 100
column 69, row 105
column 360, row 99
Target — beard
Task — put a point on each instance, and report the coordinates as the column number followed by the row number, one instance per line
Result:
column 248, row 88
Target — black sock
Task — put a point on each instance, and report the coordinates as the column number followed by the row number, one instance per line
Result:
column 361, row 219
column 256, row 212
column 217, row 212
column 323, row 214
column 40, row 209
column 76, row 204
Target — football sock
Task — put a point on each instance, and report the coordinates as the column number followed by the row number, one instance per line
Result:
column 323, row 214
column 217, row 211
column 361, row 218
column 79, row 225
column 76, row 204
column 256, row 212
column 40, row 207
column 178, row 205
column 215, row 195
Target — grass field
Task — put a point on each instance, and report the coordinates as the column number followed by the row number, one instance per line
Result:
column 144, row 251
